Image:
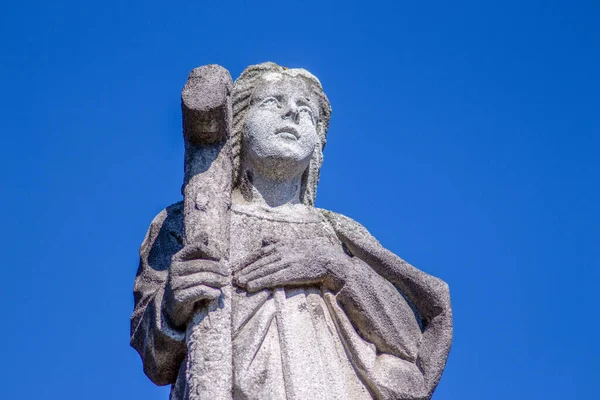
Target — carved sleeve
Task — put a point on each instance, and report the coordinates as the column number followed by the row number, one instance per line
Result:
column 161, row 346
column 376, row 305
column 380, row 313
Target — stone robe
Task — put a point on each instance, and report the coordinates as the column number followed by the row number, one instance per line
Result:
column 362, row 342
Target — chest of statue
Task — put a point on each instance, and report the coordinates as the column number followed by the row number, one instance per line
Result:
column 252, row 226
column 285, row 344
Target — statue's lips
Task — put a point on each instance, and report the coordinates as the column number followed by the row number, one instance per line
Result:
column 288, row 132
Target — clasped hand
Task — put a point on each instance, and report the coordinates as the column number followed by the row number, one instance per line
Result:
column 193, row 278
column 297, row 263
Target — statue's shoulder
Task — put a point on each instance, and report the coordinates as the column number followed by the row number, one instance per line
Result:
column 358, row 239
column 169, row 216
column 168, row 223
column 346, row 228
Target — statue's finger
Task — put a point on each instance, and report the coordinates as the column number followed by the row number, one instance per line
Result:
column 192, row 251
column 263, row 252
column 201, row 279
column 273, row 280
column 182, row 268
column 200, row 292
column 258, row 264
column 262, row 272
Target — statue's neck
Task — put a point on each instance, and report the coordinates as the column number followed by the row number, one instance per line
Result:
column 260, row 190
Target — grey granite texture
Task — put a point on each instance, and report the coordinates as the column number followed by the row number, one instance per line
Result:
column 245, row 290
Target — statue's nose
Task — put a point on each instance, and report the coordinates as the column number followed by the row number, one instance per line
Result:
column 291, row 112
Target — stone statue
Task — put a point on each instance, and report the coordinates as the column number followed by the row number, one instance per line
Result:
column 245, row 290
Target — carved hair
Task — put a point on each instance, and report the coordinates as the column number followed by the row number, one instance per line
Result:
column 243, row 89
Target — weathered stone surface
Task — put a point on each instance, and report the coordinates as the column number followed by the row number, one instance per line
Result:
column 205, row 105
column 246, row 291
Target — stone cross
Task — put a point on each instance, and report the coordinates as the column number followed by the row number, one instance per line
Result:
column 245, row 290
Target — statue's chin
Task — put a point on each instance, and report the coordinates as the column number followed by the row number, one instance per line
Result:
column 280, row 167
column 283, row 158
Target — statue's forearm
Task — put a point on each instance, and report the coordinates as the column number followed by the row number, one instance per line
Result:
column 410, row 362
column 437, row 339
column 160, row 345
column 430, row 296
column 388, row 374
column 379, row 312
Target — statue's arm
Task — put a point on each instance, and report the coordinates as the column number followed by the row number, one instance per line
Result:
column 374, row 303
column 160, row 345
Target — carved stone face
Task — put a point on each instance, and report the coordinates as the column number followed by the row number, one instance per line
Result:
column 280, row 132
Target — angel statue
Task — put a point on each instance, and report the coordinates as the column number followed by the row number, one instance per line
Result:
column 246, row 291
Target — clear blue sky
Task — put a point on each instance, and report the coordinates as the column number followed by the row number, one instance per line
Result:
column 464, row 136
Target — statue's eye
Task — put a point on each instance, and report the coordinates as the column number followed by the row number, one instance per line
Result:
column 306, row 112
column 271, row 102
